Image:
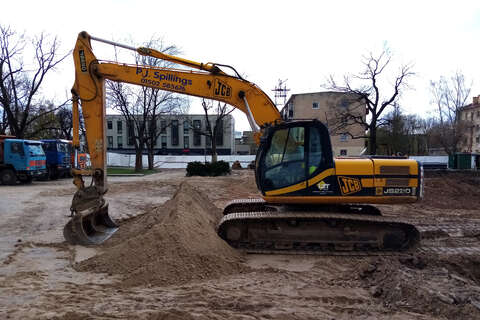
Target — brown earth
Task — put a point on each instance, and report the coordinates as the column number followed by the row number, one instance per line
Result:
column 173, row 244
column 166, row 262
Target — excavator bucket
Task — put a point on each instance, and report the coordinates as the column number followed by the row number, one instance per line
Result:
column 90, row 228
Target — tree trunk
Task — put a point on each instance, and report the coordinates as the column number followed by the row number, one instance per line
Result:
column 214, row 145
column 138, row 160
column 150, row 159
column 372, row 139
column 214, row 153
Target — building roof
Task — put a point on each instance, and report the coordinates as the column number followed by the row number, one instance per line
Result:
column 319, row 93
column 475, row 104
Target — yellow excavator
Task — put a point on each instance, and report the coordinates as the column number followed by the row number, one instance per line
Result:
column 310, row 201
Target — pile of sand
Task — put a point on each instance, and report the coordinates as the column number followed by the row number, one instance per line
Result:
column 452, row 190
column 172, row 244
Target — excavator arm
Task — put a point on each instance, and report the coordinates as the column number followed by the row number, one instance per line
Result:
column 90, row 223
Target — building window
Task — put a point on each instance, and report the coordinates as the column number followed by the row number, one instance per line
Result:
column 208, row 141
column 119, row 142
column 152, row 130
column 131, row 133
column 164, row 141
column 109, row 125
column 174, row 132
column 219, row 137
column 186, row 142
column 315, row 105
column 343, row 137
column 197, row 138
column 163, row 126
column 110, row 141
column 290, row 110
column 343, row 152
column 186, row 126
column 477, row 139
column 119, row 127
column 478, row 114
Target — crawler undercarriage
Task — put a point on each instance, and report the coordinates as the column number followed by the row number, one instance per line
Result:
column 254, row 226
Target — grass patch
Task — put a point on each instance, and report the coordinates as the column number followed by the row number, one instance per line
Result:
column 120, row 170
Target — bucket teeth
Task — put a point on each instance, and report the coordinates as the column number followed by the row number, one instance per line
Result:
column 91, row 228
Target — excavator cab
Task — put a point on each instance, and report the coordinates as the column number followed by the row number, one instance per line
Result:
column 292, row 152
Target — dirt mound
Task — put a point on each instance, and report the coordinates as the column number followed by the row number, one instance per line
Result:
column 172, row 244
column 452, row 190
column 442, row 287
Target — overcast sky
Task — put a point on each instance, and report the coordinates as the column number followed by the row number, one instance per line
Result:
column 302, row 41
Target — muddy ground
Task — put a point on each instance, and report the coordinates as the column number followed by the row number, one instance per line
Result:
column 165, row 262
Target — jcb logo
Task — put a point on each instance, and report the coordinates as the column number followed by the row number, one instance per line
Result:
column 221, row 89
column 349, row 185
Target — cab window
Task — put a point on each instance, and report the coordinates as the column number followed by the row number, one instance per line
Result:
column 17, row 147
column 316, row 156
column 50, row 146
column 284, row 163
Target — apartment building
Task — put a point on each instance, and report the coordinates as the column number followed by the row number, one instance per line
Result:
column 470, row 116
column 177, row 135
column 327, row 108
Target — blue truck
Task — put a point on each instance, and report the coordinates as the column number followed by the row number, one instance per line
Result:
column 59, row 158
column 20, row 160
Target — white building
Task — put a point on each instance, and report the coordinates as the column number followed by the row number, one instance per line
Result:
column 177, row 134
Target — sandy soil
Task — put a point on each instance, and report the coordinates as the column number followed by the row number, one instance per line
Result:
column 166, row 262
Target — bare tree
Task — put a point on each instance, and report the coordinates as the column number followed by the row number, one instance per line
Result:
column 64, row 118
column 123, row 98
column 214, row 132
column 142, row 107
column 401, row 134
column 3, row 121
column 19, row 85
column 449, row 95
column 44, row 122
column 163, row 105
column 368, row 87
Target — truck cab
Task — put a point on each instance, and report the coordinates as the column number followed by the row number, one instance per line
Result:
column 21, row 160
column 58, row 154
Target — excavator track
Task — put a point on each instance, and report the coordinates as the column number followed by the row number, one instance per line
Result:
column 313, row 231
column 256, row 204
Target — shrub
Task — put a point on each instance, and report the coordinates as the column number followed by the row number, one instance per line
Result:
column 197, row 168
column 214, row 169
column 219, row 168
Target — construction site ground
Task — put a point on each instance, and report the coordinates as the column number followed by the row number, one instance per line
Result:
column 166, row 261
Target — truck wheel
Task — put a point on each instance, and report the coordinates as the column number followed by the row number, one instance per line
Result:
column 26, row 180
column 8, row 177
column 52, row 173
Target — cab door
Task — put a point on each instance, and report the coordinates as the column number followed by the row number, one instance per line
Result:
column 284, row 162
column 16, row 155
column 291, row 154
